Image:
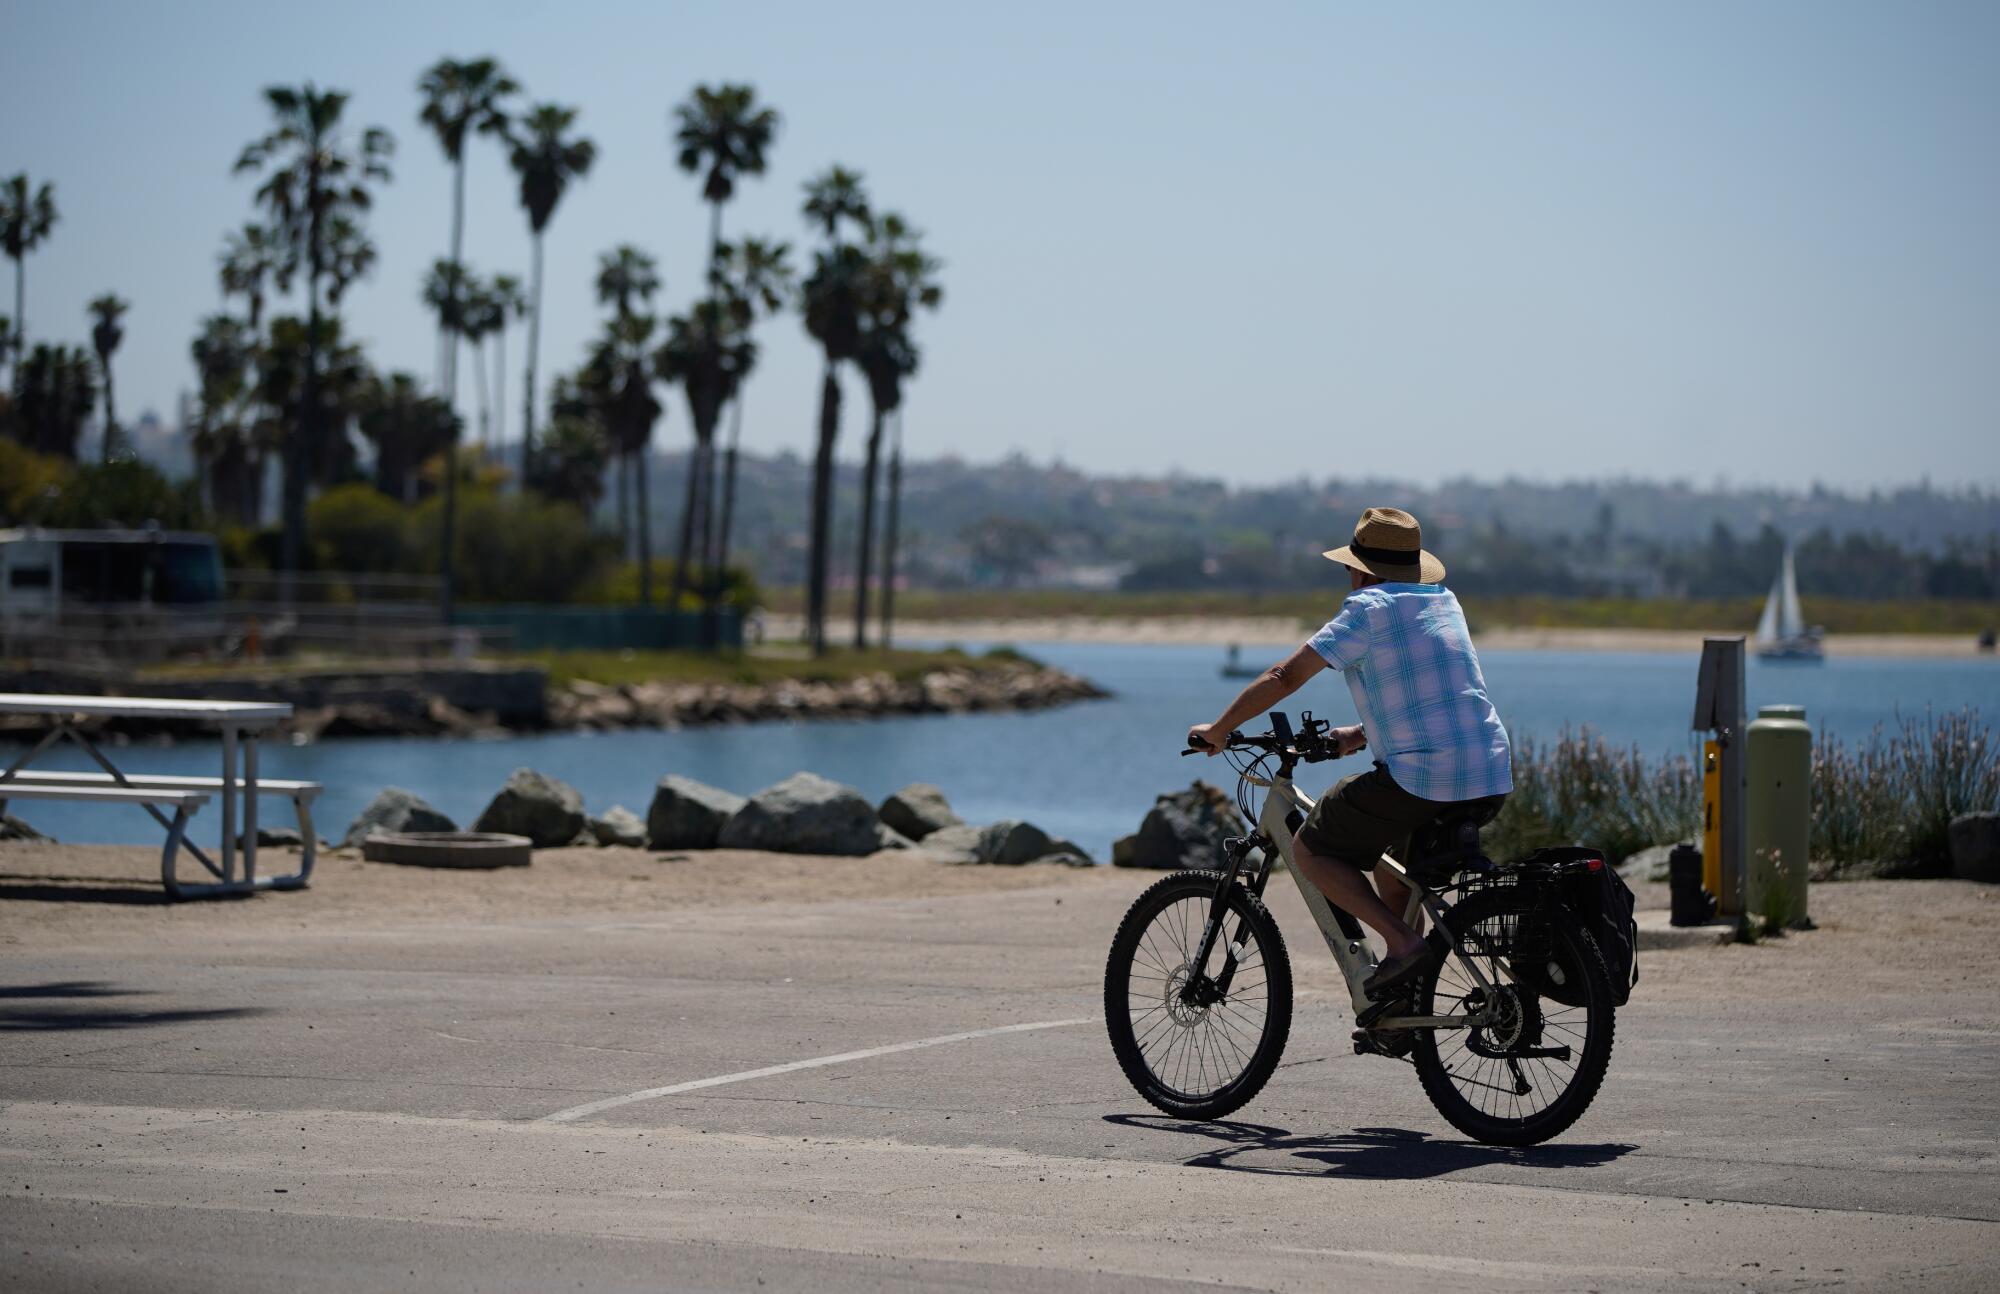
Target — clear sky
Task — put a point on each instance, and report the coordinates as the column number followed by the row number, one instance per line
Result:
column 1751, row 240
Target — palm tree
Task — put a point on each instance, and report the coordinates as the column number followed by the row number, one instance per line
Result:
column 227, row 455
column 461, row 97
column 508, row 304
column 446, row 293
column 302, row 379
column 249, row 259
column 6, row 339
column 350, row 255
column 899, row 281
column 725, row 131
column 546, row 162
column 758, row 276
column 480, row 317
column 25, row 220
column 315, row 176
column 407, row 427
column 705, row 354
column 832, row 316
column 624, row 275
column 569, row 466
column 104, row 338
column 622, row 385
column 53, row 397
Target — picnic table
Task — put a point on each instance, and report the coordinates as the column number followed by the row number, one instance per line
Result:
column 241, row 723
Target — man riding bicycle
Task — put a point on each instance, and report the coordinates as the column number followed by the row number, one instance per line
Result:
column 1401, row 639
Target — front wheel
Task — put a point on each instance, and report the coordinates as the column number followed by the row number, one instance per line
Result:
column 1197, row 1041
column 1535, row 1064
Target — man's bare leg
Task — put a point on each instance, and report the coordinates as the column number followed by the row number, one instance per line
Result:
column 1346, row 888
column 1396, row 895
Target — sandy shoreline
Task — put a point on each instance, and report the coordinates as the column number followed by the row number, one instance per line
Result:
column 1281, row 631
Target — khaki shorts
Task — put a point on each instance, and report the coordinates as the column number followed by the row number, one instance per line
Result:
column 1367, row 815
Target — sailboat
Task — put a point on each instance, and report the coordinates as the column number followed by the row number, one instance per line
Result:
column 1781, row 631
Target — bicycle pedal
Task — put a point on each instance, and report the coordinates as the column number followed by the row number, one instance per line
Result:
column 1395, row 1044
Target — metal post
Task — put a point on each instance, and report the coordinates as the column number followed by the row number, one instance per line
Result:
column 228, row 803
column 250, row 805
column 1719, row 708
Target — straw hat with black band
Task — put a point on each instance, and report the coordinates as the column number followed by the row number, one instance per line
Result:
column 1389, row 544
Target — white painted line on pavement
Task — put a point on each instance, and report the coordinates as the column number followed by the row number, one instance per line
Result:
column 611, row 1102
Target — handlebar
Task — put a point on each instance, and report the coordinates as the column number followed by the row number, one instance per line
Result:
column 1310, row 745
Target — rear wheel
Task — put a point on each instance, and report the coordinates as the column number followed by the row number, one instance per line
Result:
column 1534, row 1067
column 1193, row 1045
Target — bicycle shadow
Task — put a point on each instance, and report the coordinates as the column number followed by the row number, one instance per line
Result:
column 1385, row 1154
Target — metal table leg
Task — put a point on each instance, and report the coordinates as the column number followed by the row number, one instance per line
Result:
column 228, row 804
column 250, row 806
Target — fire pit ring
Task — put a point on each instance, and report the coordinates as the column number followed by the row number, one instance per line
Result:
column 479, row 850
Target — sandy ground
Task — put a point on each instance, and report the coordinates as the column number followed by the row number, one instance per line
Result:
column 68, row 895
column 1279, row 631
column 891, row 1073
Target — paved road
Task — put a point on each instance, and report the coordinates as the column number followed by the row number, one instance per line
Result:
column 258, row 1104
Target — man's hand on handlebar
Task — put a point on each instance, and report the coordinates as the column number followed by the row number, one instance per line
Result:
column 1348, row 740
column 1206, row 739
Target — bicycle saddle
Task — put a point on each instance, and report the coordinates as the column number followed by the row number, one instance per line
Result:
column 1450, row 844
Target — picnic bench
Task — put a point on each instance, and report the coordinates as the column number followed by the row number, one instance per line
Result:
column 241, row 723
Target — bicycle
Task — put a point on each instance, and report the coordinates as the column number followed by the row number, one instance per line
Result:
column 1509, row 1028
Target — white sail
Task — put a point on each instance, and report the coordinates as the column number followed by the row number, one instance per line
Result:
column 1791, row 621
column 1767, row 624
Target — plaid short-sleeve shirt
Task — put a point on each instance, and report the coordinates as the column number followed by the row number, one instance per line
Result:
column 1409, row 662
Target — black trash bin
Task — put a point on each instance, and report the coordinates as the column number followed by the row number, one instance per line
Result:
column 1692, row 905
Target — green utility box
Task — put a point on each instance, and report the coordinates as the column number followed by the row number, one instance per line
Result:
column 1778, row 815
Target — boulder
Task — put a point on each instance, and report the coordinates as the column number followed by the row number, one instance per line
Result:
column 1975, row 847
column 890, row 838
column 547, row 811
column 1068, row 853
column 15, row 829
column 687, row 814
column 1646, row 865
column 917, row 810
column 619, row 826
column 805, row 814
column 395, row 810
column 1184, row 829
column 1009, row 843
column 1124, row 850
column 958, row 844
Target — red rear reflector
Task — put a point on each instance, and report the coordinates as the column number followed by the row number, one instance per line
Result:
column 1594, row 864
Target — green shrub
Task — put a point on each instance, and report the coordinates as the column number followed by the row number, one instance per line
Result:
column 1581, row 790
column 356, row 527
column 513, row 547
column 1887, row 804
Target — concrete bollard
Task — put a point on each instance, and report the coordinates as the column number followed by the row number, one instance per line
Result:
column 1779, row 815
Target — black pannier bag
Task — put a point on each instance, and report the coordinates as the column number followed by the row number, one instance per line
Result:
column 1601, row 901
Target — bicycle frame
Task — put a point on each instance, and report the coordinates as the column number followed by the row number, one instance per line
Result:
column 1344, row 936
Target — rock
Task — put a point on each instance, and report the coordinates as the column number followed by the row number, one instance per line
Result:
column 1646, row 865
column 1184, row 829
column 958, row 844
column 547, row 811
column 1124, row 850
column 619, row 826
column 395, row 810
column 1009, row 843
column 15, row 829
column 1067, row 853
column 917, row 810
column 805, row 814
column 1975, row 847
column 687, row 814
column 890, row 838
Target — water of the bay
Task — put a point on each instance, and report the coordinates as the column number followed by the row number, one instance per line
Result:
column 1087, row 772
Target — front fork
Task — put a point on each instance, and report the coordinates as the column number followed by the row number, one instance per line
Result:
column 1200, row 990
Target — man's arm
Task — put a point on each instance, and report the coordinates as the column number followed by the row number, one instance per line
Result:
column 1269, row 688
